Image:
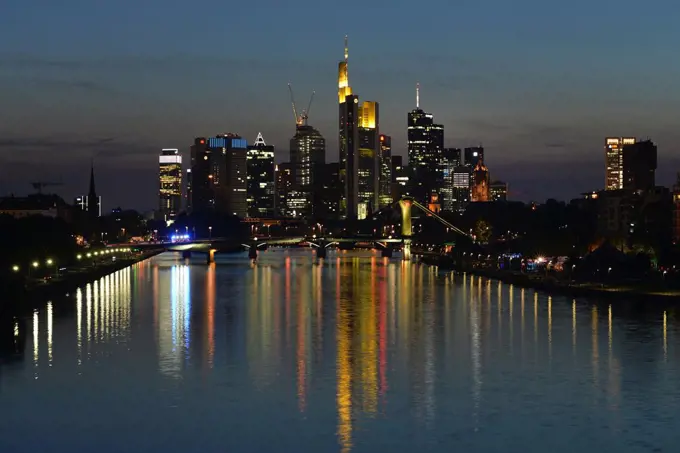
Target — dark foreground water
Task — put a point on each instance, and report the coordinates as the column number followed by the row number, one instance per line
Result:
column 358, row 354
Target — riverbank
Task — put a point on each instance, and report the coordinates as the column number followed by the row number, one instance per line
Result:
column 29, row 296
column 554, row 286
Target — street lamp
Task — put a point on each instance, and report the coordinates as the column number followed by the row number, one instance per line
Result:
column 36, row 264
column 79, row 257
column 209, row 232
column 15, row 268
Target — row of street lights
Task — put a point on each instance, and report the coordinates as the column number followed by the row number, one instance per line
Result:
column 80, row 256
column 102, row 253
column 34, row 265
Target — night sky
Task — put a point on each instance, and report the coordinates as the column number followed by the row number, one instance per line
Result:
column 538, row 83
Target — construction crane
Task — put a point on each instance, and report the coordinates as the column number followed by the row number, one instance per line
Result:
column 301, row 119
column 40, row 185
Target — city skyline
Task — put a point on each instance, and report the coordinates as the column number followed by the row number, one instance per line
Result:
column 539, row 105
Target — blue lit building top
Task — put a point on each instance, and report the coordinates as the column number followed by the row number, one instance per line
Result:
column 227, row 142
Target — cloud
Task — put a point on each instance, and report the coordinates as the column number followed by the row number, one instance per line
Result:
column 33, row 150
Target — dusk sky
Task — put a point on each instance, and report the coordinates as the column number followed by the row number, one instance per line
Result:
column 538, row 83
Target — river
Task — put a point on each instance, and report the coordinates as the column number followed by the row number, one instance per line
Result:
column 358, row 354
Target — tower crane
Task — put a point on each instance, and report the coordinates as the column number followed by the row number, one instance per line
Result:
column 301, row 119
column 40, row 185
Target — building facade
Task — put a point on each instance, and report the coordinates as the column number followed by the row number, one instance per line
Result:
column 613, row 151
column 639, row 165
column 450, row 160
column 385, row 177
column 307, row 156
column 219, row 174
column 461, row 188
column 169, row 183
column 260, row 176
column 479, row 191
column 425, row 145
column 368, row 164
column 498, row 191
column 349, row 155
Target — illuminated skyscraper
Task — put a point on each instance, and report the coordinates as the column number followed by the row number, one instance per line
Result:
column 368, row 165
column 425, row 144
column 385, row 177
column 170, row 183
column 218, row 174
column 260, row 190
column 473, row 155
column 307, row 157
column 348, row 139
column 284, row 187
column 461, row 188
column 613, row 150
column 451, row 159
column 349, row 159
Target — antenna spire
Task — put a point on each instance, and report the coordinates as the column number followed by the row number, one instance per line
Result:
column 346, row 50
column 259, row 141
column 417, row 95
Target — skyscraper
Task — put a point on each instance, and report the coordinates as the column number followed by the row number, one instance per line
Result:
column 348, row 138
column 284, row 186
column 200, row 187
column 639, row 165
column 461, row 188
column 451, row 158
column 385, row 177
column 218, row 174
column 307, row 156
column 169, row 183
column 613, row 151
column 473, row 155
column 368, row 165
column 425, row 144
column 260, row 168
column 498, row 191
column 349, row 159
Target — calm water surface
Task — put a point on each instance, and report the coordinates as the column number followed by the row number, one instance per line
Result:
column 358, row 354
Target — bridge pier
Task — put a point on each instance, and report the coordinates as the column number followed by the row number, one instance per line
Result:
column 186, row 254
column 406, row 251
column 252, row 251
column 387, row 251
column 321, row 250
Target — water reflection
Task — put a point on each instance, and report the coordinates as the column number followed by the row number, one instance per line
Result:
column 354, row 353
column 174, row 305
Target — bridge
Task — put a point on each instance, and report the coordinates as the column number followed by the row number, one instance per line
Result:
column 320, row 243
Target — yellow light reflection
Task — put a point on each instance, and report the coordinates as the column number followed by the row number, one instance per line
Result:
column 595, row 346
column 665, row 335
column 609, row 329
column 49, row 333
column 344, row 377
column 88, row 315
column 36, row 350
column 210, row 313
column 79, row 325
column 535, row 320
column 573, row 326
column 550, row 327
